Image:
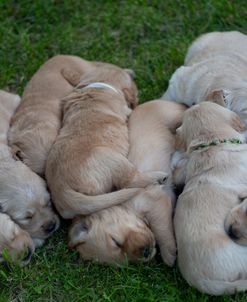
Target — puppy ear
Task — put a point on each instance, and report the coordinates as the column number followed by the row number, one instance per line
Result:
column 131, row 73
column 78, row 233
column 17, row 153
column 130, row 97
column 236, row 122
column 72, row 76
column 218, row 97
column 179, row 141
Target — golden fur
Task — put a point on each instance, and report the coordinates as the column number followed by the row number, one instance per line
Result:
column 35, row 125
column 23, row 194
column 89, row 157
column 215, row 178
column 129, row 231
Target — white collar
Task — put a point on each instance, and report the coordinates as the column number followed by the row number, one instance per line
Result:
column 101, row 85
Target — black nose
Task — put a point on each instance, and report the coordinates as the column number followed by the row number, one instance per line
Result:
column 27, row 255
column 233, row 233
column 146, row 251
column 50, row 227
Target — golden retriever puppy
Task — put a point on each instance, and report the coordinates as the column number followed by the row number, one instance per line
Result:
column 215, row 70
column 37, row 120
column 14, row 242
column 129, row 231
column 89, row 156
column 23, row 194
column 215, row 179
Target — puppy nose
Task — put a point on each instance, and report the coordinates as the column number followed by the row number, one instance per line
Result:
column 232, row 232
column 27, row 255
column 146, row 251
column 50, row 227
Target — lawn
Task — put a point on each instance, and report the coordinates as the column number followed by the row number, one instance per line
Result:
column 149, row 36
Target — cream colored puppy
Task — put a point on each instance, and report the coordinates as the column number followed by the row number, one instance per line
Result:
column 23, row 194
column 14, row 242
column 215, row 70
column 89, row 157
column 129, row 231
column 37, row 120
column 215, row 179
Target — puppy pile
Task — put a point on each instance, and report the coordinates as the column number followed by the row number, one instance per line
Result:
column 210, row 216
column 112, row 170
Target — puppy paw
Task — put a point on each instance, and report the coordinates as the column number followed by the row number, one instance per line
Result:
column 169, row 255
column 71, row 76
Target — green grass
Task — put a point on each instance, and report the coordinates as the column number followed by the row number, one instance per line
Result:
column 149, row 36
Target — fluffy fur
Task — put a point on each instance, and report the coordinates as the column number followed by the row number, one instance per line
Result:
column 35, row 125
column 216, row 70
column 14, row 241
column 89, row 157
column 23, row 194
column 215, row 179
column 128, row 231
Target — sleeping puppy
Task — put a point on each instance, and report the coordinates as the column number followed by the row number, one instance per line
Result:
column 89, row 157
column 215, row 70
column 14, row 241
column 215, row 180
column 129, row 231
column 23, row 194
column 37, row 120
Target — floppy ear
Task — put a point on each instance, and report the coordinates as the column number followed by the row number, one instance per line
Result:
column 17, row 153
column 236, row 122
column 78, row 233
column 130, row 97
column 218, row 97
column 131, row 73
column 72, row 76
column 180, row 144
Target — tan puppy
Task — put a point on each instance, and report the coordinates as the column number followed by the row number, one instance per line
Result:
column 215, row 179
column 216, row 70
column 89, row 156
column 14, row 241
column 36, row 122
column 128, row 231
column 23, row 194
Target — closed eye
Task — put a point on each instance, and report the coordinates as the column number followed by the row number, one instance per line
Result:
column 117, row 243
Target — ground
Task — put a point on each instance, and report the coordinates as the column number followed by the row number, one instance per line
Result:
column 150, row 37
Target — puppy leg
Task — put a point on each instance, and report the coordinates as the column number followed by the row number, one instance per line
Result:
column 71, row 76
column 156, row 205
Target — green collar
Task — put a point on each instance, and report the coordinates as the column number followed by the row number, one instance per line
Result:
column 218, row 142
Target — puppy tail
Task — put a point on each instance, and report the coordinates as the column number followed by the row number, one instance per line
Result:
column 81, row 204
column 217, row 287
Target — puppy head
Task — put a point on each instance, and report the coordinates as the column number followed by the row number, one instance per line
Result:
column 31, row 147
column 14, row 242
column 112, row 236
column 122, row 79
column 24, row 197
column 207, row 121
column 236, row 222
